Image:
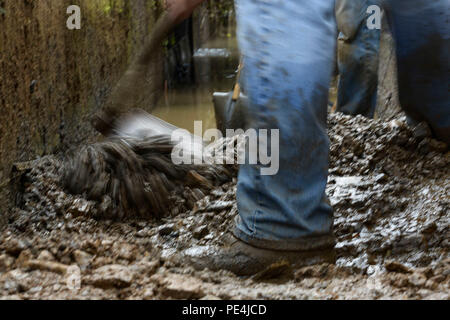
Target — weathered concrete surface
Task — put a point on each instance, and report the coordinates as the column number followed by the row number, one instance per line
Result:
column 53, row 78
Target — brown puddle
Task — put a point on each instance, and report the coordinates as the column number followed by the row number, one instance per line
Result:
column 214, row 66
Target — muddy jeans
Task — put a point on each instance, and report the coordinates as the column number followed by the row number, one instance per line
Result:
column 358, row 49
column 289, row 55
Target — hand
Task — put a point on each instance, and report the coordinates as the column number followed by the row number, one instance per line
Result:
column 180, row 10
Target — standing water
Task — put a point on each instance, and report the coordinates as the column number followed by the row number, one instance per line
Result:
column 214, row 67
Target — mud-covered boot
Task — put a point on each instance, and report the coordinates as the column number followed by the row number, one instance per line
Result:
column 245, row 260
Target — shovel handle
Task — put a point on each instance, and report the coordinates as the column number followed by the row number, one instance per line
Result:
column 236, row 92
column 237, row 86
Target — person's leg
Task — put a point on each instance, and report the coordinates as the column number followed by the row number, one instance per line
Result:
column 358, row 49
column 421, row 31
column 288, row 47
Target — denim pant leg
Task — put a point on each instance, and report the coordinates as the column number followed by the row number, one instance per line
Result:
column 358, row 54
column 421, row 31
column 288, row 47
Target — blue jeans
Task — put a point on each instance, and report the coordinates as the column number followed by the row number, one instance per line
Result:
column 358, row 49
column 421, row 31
column 289, row 48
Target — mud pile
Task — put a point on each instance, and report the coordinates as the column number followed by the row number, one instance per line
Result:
column 389, row 185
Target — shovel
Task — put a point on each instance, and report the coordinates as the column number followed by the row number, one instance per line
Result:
column 230, row 112
column 231, row 107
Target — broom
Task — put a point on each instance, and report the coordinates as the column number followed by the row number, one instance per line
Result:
column 133, row 167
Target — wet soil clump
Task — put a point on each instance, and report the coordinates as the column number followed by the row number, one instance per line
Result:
column 389, row 185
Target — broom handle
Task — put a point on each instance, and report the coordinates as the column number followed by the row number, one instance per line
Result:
column 124, row 93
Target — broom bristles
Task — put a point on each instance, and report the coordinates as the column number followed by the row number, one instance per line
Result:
column 135, row 169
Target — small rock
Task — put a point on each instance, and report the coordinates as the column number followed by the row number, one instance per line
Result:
column 308, row 283
column 104, row 243
column 83, row 259
column 23, row 258
column 15, row 247
column 324, row 284
column 35, row 290
column 393, row 266
column 11, row 287
column 111, row 276
column 14, row 281
column 396, row 124
column 381, row 178
column 167, row 229
column 46, row 256
column 219, row 206
column 144, row 233
column 417, row 279
column 217, row 193
column 6, row 262
column 200, row 232
column 80, row 207
column 430, row 284
column 101, row 262
column 438, row 278
column 73, row 278
column 399, row 280
column 146, row 268
column 210, row 215
column 125, row 251
column 179, row 286
column 149, row 293
column 426, row 271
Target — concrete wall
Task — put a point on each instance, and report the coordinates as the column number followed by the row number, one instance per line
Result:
column 52, row 78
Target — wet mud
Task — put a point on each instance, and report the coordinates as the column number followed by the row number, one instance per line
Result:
column 389, row 185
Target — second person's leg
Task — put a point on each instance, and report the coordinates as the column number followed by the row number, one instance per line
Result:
column 422, row 34
column 358, row 52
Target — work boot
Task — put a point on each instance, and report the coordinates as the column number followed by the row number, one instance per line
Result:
column 245, row 260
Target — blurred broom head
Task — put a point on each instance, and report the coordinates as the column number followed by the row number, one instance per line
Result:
column 134, row 168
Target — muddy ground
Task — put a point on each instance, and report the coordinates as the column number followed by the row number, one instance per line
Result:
column 389, row 185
